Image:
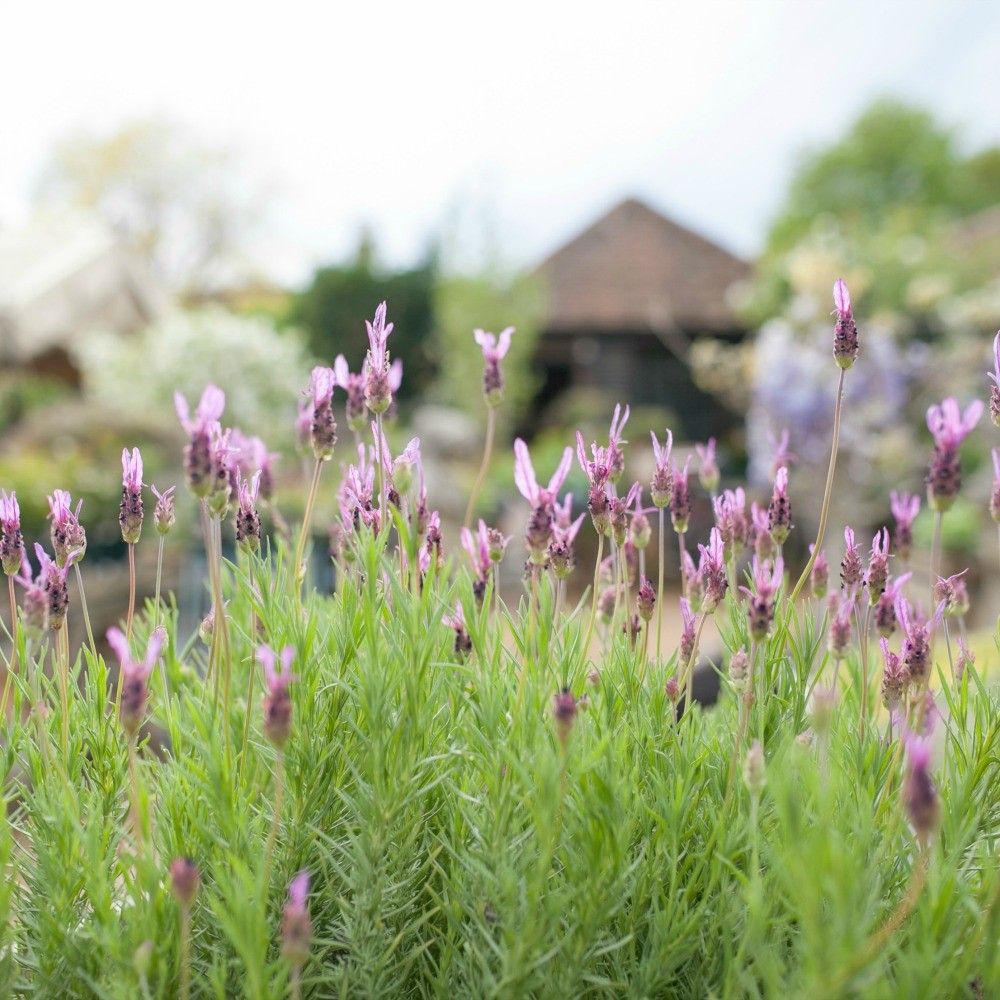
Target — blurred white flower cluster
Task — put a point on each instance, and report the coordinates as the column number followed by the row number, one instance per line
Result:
column 261, row 369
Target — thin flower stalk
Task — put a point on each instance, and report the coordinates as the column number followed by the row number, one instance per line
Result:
column 494, row 351
column 845, row 349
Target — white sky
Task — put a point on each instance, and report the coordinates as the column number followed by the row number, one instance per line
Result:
column 533, row 117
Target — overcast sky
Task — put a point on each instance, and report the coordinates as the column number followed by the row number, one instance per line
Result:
column 530, row 117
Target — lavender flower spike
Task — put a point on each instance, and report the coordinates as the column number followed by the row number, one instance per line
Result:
column 11, row 539
column 539, row 530
column 277, row 703
column 323, row 427
column 616, row 457
column 920, row 797
column 135, row 674
column 994, row 377
column 917, row 639
column 819, row 578
column 878, row 566
column 760, row 601
column 354, row 388
column 839, row 633
column 661, row 488
column 904, row 507
column 164, row 514
column 67, row 534
column 779, row 511
column 378, row 386
column 198, row 451
column 680, row 502
column 562, row 556
column 618, row 513
column 478, row 548
column 708, row 469
column 35, row 605
column 950, row 427
column 248, row 527
column 885, row 608
column 456, row 622
column 596, row 471
column 130, row 512
column 53, row 580
column 712, row 570
column 845, row 332
column 894, row 677
column 688, row 619
column 851, row 570
column 296, row 926
column 494, row 351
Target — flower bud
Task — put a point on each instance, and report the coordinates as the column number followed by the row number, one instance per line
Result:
column 564, row 709
column 821, row 708
column 185, row 881
column 845, row 332
column 754, row 775
column 646, row 601
column 164, row 513
column 296, row 926
column 739, row 669
column 673, row 689
column 820, row 576
column 661, row 489
column 920, row 797
column 142, row 958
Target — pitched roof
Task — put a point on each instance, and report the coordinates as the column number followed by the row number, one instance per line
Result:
column 635, row 269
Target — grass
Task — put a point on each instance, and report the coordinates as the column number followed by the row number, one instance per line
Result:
column 458, row 846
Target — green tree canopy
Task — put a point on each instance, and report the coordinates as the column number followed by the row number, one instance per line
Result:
column 894, row 155
column 885, row 200
column 332, row 309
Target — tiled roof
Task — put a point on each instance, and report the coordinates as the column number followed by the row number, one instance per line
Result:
column 634, row 269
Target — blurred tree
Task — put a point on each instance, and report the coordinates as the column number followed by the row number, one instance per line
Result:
column 462, row 303
column 901, row 211
column 893, row 154
column 884, row 200
column 332, row 309
column 182, row 204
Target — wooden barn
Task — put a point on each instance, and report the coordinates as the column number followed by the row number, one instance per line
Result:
column 625, row 299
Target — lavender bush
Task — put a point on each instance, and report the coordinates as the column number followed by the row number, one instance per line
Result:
column 432, row 791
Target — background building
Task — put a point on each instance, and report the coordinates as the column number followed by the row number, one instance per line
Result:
column 625, row 299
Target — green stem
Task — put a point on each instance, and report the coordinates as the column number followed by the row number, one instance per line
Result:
column 159, row 576
column 272, row 835
column 62, row 642
column 227, row 660
column 659, row 595
column 298, row 571
column 680, row 557
column 185, row 958
column 12, row 669
column 131, row 593
column 935, row 567
column 878, row 941
column 689, row 668
column 491, row 419
column 593, row 598
column 865, row 627
column 84, row 609
column 827, row 492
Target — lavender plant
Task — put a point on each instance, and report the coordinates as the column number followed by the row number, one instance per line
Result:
column 464, row 792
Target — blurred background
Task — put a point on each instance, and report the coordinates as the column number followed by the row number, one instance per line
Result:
column 658, row 197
